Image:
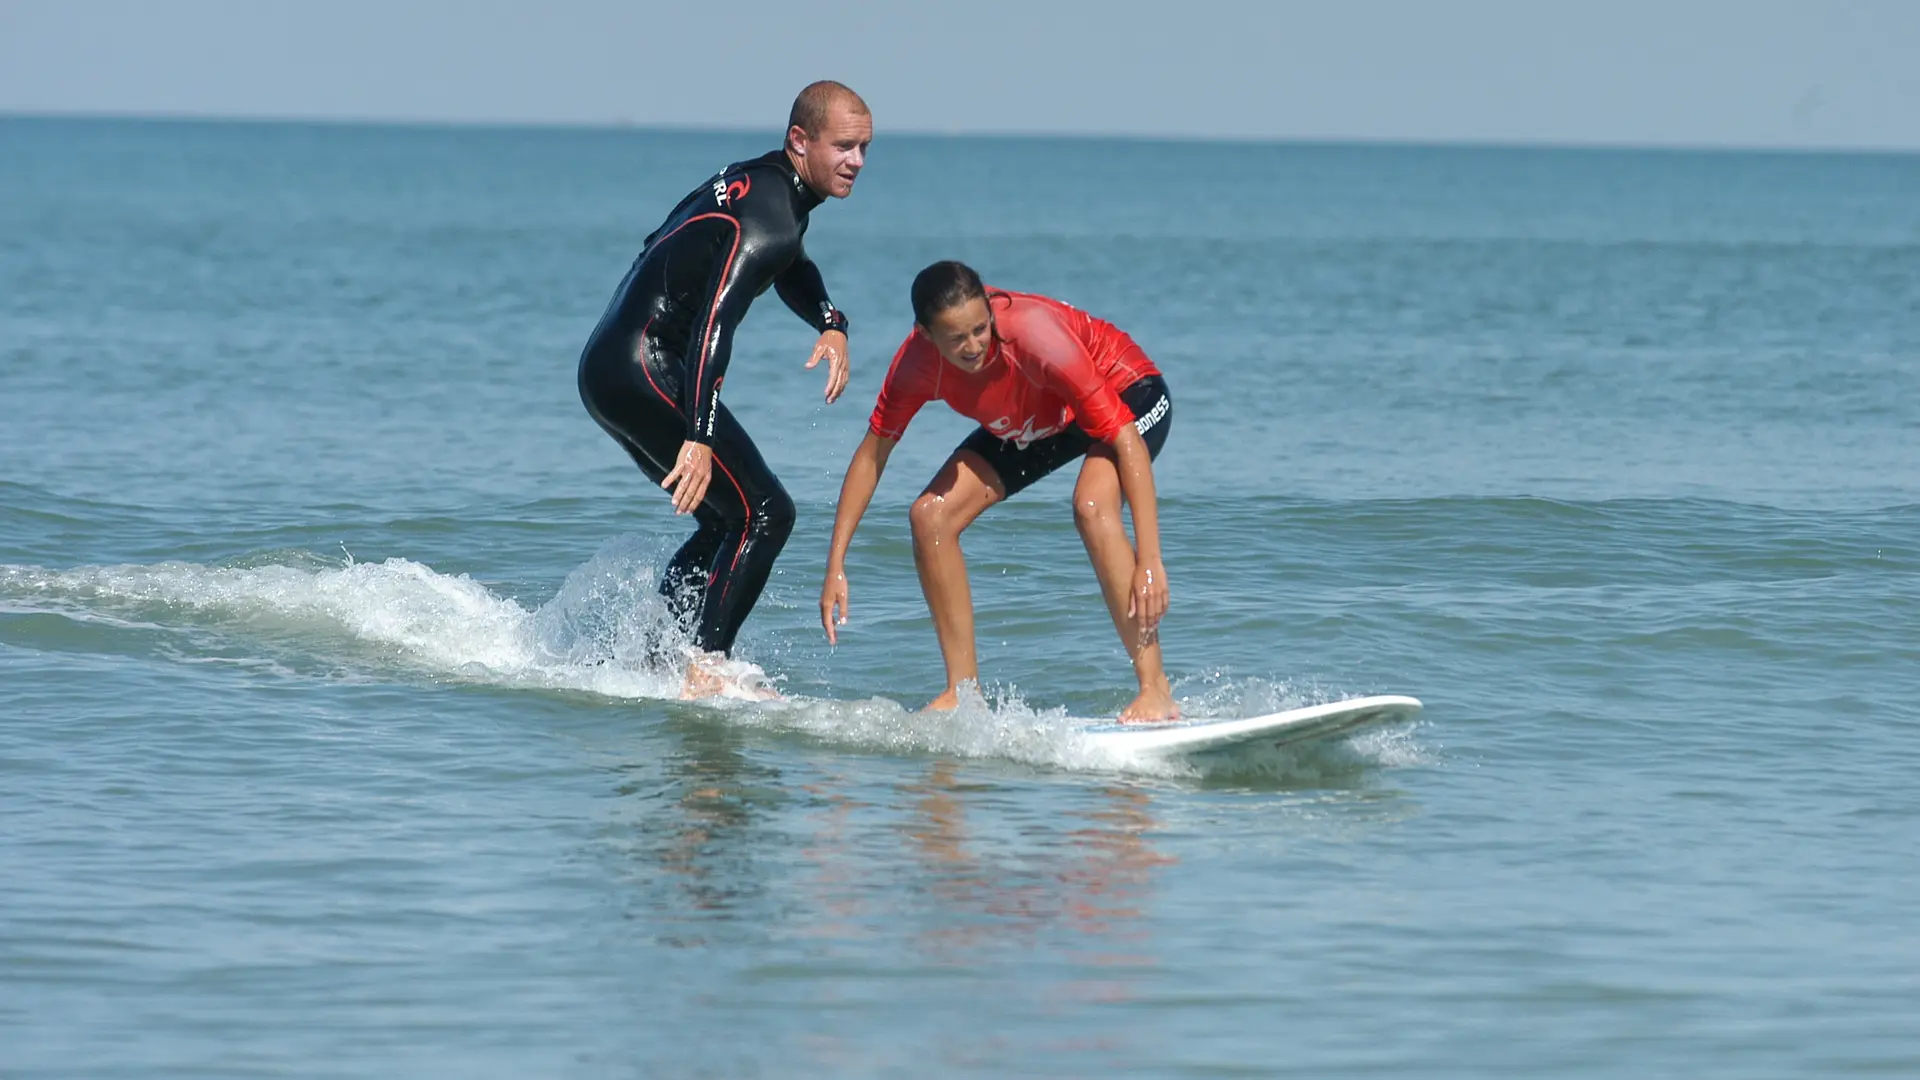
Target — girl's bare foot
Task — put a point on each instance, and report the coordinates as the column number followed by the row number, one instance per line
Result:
column 1151, row 707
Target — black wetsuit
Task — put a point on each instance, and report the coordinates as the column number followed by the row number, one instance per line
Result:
column 652, row 370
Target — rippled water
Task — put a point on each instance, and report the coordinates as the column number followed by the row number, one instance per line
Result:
column 326, row 748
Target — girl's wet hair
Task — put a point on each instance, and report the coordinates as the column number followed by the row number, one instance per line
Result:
column 943, row 285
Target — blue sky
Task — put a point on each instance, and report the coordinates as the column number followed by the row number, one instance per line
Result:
column 1771, row 73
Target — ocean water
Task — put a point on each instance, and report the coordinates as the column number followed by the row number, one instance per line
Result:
column 326, row 749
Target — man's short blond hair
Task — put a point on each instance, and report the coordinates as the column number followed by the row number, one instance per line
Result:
column 811, row 108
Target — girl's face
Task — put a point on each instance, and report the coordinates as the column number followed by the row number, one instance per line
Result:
column 963, row 333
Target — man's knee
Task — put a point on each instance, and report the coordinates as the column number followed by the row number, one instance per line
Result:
column 774, row 516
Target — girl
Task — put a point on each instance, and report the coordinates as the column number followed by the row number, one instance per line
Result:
column 1048, row 384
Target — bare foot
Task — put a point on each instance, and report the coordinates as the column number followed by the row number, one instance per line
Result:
column 1151, row 707
column 946, row 702
column 701, row 682
column 707, row 677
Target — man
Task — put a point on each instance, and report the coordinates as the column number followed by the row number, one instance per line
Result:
column 651, row 373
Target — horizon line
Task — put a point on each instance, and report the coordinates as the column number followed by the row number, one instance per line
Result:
column 1355, row 141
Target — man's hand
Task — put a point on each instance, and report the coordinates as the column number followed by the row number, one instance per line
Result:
column 832, row 347
column 833, row 595
column 692, row 470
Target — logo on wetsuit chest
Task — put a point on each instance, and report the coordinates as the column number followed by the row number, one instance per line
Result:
column 724, row 192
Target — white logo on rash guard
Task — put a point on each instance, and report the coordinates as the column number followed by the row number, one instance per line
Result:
column 1026, row 435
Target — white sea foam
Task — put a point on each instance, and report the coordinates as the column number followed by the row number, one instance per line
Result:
column 591, row 636
column 607, row 632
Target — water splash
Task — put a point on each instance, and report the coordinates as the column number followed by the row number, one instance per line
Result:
column 606, row 631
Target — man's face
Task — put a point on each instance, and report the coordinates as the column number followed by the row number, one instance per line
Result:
column 830, row 161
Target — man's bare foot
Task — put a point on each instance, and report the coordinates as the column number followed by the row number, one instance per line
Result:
column 707, row 677
column 1151, row 707
column 946, row 702
column 701, row 682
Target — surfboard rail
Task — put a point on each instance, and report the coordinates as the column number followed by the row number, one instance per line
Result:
column 1327, row 720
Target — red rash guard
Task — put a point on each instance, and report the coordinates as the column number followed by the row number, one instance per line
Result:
column 1051, row 365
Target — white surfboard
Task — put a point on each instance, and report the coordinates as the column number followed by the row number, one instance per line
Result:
column 1184, row 737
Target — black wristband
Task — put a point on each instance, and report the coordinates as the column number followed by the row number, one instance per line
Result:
column 832, row 318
